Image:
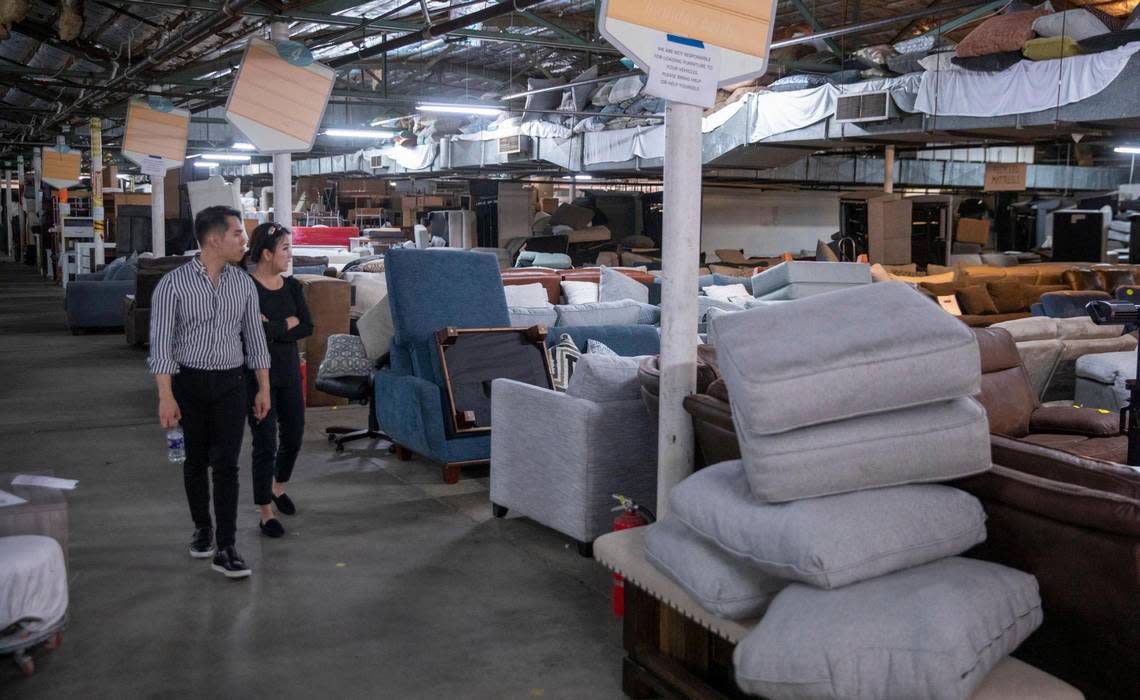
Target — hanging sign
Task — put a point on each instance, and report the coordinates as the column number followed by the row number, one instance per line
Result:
column 278, row 106
column 60, row 169
column 1006, row 177
column 741, row 29
column 150, row 132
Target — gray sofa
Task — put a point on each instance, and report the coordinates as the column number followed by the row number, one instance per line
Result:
column 558, row 458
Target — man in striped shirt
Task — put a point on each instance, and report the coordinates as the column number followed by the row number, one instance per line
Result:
column 205, row 325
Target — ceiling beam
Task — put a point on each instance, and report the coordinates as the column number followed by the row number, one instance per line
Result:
column 816, row 26
column 79, row 48
column 561, row 31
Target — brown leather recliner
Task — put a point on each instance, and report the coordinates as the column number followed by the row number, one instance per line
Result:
column 709, row 450
column 1014, row 410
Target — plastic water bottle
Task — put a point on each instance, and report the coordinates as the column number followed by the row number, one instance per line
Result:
column 175, row 446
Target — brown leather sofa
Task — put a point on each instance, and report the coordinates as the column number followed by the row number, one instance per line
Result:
column 136, row 315
column 1102, row 278
column 552, row 280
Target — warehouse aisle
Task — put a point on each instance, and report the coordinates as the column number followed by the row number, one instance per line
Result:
column 389, row 584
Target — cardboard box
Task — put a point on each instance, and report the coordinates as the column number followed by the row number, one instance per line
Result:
column 973, row 231
column 110, row 176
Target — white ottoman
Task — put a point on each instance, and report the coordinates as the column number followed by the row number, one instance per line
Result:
column 1101, row 378
column 33, row 594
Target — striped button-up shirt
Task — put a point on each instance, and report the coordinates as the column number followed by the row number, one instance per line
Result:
column 196, row 325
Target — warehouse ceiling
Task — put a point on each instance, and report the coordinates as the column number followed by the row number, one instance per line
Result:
column 388, row 53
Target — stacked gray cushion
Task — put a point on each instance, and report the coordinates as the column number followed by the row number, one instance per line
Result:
column 798, row 279
column 928, row 633
column 932, row 442
column 601, row 378
column 602, row 313
column 870, row 349
column 831, row 541
column 718, row 581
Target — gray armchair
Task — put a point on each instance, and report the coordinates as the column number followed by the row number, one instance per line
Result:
column 558, row 458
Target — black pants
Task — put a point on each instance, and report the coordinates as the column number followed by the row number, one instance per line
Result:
column 277, row 438
column 213, row 407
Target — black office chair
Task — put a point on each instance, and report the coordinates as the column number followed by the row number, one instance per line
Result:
column 357, row 389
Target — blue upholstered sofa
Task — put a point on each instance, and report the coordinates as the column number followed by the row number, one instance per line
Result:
column 95, row 300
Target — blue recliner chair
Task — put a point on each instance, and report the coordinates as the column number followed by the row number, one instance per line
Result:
column 429, row 290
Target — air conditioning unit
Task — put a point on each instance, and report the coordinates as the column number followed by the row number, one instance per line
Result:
column 864, row 107
column 512, row 145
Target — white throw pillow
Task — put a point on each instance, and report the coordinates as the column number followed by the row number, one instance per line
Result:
column 580, row 292
column 1080, row 24
column 529, row 296
column 726, row 292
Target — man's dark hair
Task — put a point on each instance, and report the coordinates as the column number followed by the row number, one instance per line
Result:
column 213, row 220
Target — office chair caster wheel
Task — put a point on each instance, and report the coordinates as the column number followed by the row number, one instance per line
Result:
column 26, row 663
column 331, row 438
column 339, row 448
column 55, row 642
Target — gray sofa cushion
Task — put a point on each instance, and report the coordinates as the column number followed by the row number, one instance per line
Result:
column 614, row 286
column 934, row 442
column 377, row 329
column 876, row 347
column 802, row 290
column 1107, row 367
column 602, row 313
column 527, row 316
column 723, row 584
column 831, row 541
column 931, row 632
column 601, row 378
column 799, row 272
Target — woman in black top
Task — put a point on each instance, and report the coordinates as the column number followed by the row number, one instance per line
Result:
column 285, row 317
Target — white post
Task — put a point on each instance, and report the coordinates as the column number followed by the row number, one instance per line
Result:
column 22, row 236
column 37, row 207
column 282, row 165
column 8, row 214
column 889, row 170
column 158, row 215
column 97, row 217
column 680, row 258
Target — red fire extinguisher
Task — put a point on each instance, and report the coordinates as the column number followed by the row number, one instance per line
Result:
column 631, row 515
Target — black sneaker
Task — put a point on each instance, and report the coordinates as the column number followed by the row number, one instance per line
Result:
column 202, row 544
column 229, row 563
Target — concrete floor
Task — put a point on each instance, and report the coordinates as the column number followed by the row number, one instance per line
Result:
column 388, row 584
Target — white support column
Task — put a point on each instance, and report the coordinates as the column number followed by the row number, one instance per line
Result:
column 680, row 262
column 889, row 170
column 8, row 214
column 158, row 215
column 21, row 236
column 37, row 207
column 282, row 165
column 97, row 217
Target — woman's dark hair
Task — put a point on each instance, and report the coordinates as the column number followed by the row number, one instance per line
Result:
column 265, row 237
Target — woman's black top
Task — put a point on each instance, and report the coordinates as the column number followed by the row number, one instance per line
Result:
column 278, row 305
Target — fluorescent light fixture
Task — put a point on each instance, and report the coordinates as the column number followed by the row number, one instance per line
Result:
column 1130, row 150
column 124, row 177
column 196, row 155
column 236, row 157
column 360, row 133
column 207, row 164
column 243, row 146
column 479, row 110
column 578, row 177
column 84, row 177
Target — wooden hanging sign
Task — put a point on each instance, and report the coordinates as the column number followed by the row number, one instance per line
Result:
column 61, row 170
column 150, row 132
column 277, row 105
